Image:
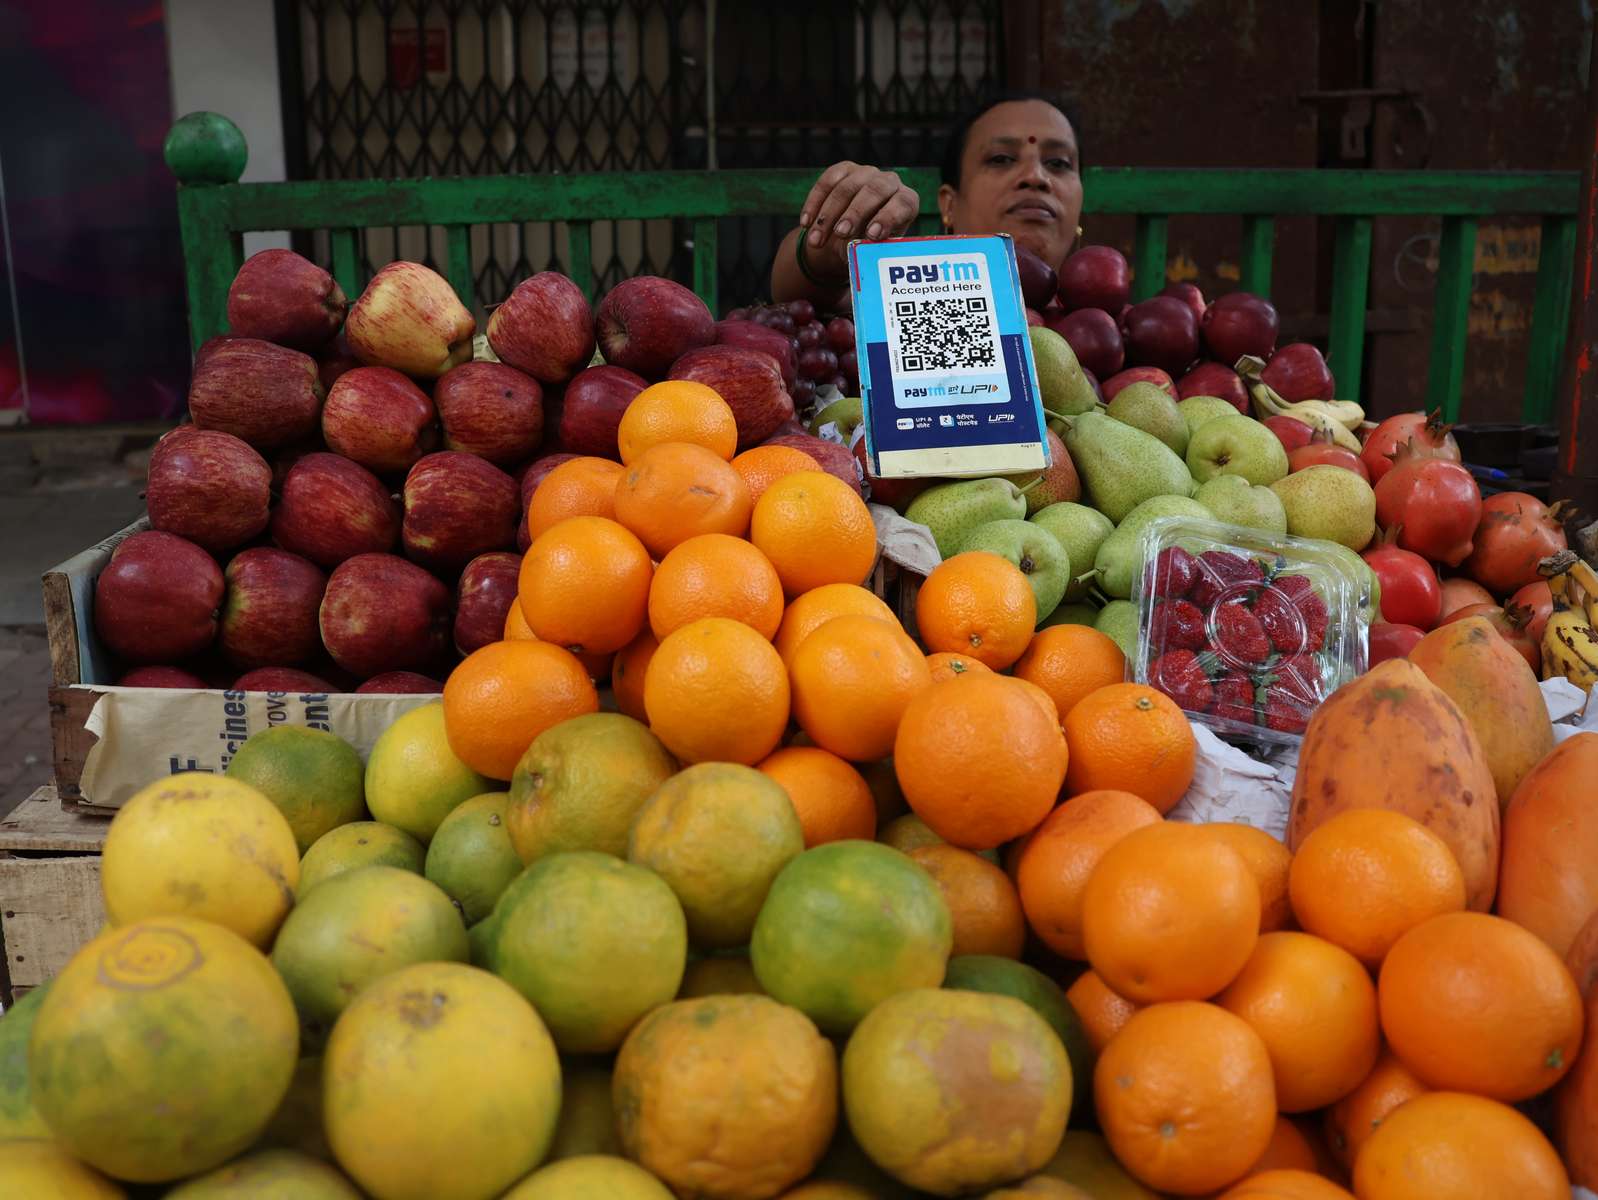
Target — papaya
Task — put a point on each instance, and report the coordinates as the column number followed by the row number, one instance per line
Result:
column 1576, row 1110
column 1549, row 878
column 1583, row 957
column 1497, row 691
column 1393, row 739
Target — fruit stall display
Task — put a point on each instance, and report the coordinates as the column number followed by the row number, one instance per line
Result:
column 706, row 876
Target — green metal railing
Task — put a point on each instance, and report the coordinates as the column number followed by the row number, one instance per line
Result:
column 206, row 153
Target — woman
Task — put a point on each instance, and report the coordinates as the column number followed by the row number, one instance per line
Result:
column 1010, row 167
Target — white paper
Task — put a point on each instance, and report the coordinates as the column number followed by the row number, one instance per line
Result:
column 904, row 542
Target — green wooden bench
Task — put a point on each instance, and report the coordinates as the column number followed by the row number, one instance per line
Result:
column 207, row 153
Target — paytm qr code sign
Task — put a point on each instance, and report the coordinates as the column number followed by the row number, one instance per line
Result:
column 946, row 368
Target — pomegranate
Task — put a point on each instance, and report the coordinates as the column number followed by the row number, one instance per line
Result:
column 1411, row 594
column 1515, row 531
column 1513, row 625
column 1321, row 451
column 1429, row 434
column 1539, row 598
column 1389, row 640
column 1298, row 372
column 1459, row 592
column 1433, row 504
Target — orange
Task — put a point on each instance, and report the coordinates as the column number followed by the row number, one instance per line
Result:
column 816, row 530
column 832, row 799
column 1169, row 914
column 1289, row 1148
column 852, row 679
column 978, row 604
column 1315, row 1008
column 1268, row 859
column 1368, row 876
column 676, row 491
column 1056, row 861
column 678, row 410
column 809, row 612
column 1450, row 1146
column 1041, row 698
column 1071, row 661
column 714, row 575
column 585, row 585
column 762, row 466
column 1133, row 738
column 1286, row 1184
column 1351, row 1121
column 1185, row 1098
column 628, row 671
column 715, row 691
column 502, row 696
column 1103, row 1012
column 981, row 899
column 978, row 760
column 1475, row 1003
column 947, row 664
column 516, row 625
column 579, row 487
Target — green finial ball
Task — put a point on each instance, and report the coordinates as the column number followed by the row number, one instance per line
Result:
column 205, row 147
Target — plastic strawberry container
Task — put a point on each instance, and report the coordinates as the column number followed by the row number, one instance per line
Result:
column 1247, row 631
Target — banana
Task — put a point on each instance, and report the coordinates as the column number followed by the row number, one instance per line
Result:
column 1570, row 648
column 1318, row 415
column 1581, row 573
column 1349, row 414
column 1337, row 419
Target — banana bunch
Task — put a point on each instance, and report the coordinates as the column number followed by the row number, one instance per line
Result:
column 1337, row 419
column 1570, row 639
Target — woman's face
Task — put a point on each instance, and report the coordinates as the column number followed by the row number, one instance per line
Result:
column 1019, row 175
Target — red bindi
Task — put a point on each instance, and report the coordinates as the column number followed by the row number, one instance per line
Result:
column 1032, row 141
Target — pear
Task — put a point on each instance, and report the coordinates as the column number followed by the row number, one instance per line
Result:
column 1033, row 549
column 1150, row 408
column 953, row 510
column 1081, row 530
column 1071, row 614
column 1118, row 620
column 1237, row 502
column 1320, row 505
column 1366, row 581
column 1122, row 466
column 1120, row 558
column 846, row 413
column 1196, row 410
column 1057, row 483
column 1066, row 391
column 1237, row 445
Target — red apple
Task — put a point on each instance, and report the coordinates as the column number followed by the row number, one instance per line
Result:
column 491, row 410
column 1323, row 452
column 332, row 509
column 647, row 323
column 381, row 613
column 335, row 358
column 1096, row 277
column 409, row 318
column 1093, row 335
column 483, row 598
column 1153, row 375
column 533, row 473
column 751, row 335
column 209, row 487
column 895, row 493
column 283, row 461
column 1038, row 278
column 457, row 506
column 1240, row 323
column 269, row 617
column 835, row 460
column 284, row 298
column 268, row 395
column 750, row 381
column 1034, row 317
column 1216, row 379
column 1189, row 294
column 400, row 683
column 593, row 404
column 377, row 417
column 1290, row 431
column 544, row 328
column 283, row 680
column 1297, row 372
column 1388, row 640
column 162, row 677
column 1161, row 332
column 156, row 600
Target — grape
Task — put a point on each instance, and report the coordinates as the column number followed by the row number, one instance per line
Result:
column 819, row 364
column 842, row 384
column 840, row 334
column 803, row 392
column 802, row 311
column 782, row 322
column 762, row 316
column 809, row 335
column 849, row 364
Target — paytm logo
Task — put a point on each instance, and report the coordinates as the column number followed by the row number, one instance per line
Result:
column 931, row 272
column 905, row 423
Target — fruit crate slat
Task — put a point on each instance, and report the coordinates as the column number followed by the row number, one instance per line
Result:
column 1550, row 318
column 1455, row 256
column 1351, row 263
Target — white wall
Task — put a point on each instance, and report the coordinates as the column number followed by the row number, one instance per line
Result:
column 224, row 59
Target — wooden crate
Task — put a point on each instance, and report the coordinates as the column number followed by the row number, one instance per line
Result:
column 49, row 889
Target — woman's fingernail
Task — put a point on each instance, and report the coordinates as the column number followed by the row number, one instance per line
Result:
column 844, row 226
column 815, row 237
column 804, row 219
column 875, row 231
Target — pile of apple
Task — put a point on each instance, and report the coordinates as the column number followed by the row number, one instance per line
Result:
column 346, row 510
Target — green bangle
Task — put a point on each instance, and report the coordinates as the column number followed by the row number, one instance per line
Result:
column 804, row 263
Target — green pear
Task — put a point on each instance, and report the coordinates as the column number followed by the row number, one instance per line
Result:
column 1120, row 558
column 1118, row 620
column 1151, row 409
column 1237, row 502
column 1237, row 445
column 1320, row 505
column 1365, row 579
column 1081, row 530
column 1071, row 614
column 952, row 510
column 1122, row 466
column 1066, row 391
column 1196, row 410
column 1033, row 549
column 846, row 413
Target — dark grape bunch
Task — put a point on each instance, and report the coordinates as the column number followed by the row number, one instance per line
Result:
column 822, row 342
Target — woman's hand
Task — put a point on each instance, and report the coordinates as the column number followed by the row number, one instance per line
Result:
column 853, row 200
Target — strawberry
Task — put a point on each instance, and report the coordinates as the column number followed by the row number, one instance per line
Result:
column 1282, row 622
column 1176, row 625
column 1295, row 677
column 1284, row 714
column 1234, row 698
column 1238, row 637
column 1175, row 571
column 1220, row 571
column 1180, row 676
column 1313, row 609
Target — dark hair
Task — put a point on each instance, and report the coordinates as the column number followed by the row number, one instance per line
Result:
column 954, row 148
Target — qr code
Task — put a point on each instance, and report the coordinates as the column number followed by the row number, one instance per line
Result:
column 941, row 335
